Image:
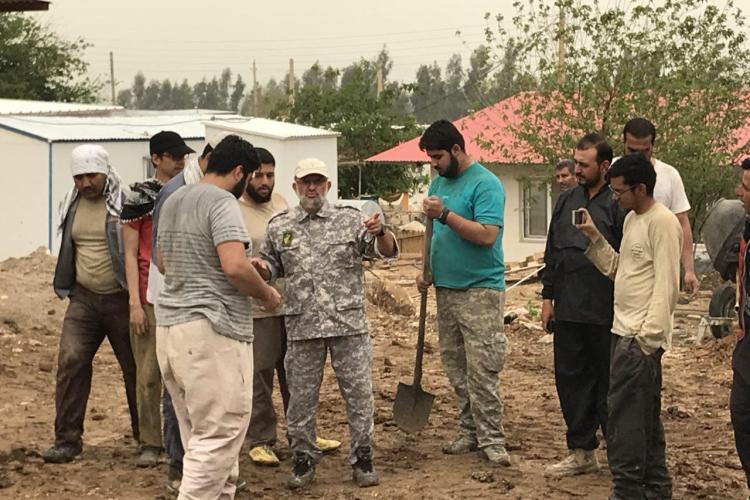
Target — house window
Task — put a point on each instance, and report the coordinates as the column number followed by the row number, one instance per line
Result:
column 535, row 209
column 148, row 168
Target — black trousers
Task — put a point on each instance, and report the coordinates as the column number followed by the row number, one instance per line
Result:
column 89, row 319
column 739, row 405
column 636, row 448
column 582, row 378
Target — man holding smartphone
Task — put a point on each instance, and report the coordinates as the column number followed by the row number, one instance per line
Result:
column 579, row 299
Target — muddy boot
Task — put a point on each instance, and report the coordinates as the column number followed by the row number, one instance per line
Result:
column 362, row 472
column 578, row 462
column 303, row 471
column 263, row 455
column 463, row 444
column 327, row 445
column 61, row 454
column 148, row 457
column 496, row 455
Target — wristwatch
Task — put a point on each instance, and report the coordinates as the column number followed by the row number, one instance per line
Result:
column 444, row 215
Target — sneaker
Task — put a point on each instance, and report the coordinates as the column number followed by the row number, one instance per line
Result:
column 496, row 455
column 463, row 444
column 578, row 462
column 148, row 457
column 264, row 456
column 61, row 454
column 303, row 471
column 327, row 445
column 362, row 472
column 174, row 479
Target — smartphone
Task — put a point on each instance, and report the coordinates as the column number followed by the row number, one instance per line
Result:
column 577, row 217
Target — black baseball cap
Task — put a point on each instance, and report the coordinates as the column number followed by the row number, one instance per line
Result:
column 170, row 142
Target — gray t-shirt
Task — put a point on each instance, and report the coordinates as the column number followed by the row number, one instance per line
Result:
column 193, row 222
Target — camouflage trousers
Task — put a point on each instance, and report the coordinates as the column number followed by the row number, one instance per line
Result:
column 472, row 349
column 351, row 360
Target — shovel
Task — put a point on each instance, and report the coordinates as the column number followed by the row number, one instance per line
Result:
column 412, row 406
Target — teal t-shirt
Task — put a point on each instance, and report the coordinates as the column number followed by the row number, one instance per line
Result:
column 475, row 194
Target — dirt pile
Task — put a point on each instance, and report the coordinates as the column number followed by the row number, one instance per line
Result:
column 700, row 445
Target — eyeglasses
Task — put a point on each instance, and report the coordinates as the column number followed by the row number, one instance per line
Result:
column 617, row 193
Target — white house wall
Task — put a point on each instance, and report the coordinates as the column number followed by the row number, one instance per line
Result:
column 515, row 246
column 23, row 194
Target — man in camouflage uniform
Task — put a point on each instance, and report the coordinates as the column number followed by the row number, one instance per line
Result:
column 467, row 201
column 319, row 248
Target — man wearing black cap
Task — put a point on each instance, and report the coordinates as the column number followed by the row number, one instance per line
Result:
column 168, row 152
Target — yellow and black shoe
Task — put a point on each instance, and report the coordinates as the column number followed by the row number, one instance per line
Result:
column 327, row 445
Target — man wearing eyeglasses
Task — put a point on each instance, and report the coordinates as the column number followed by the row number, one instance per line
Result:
column 579, row 298
column 646, row 274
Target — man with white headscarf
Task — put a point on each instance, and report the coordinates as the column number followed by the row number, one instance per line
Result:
column 90, row 272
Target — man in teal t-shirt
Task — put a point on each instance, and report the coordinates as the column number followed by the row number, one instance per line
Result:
column 467, row 202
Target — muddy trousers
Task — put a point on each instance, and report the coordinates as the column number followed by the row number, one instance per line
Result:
column 472, row 349
column 269, row 348
column 739, row 405
column 90, row 318
column 351, row 360
column 148, row 381
column 209, row 377
column 582, row 379
column 636, row 449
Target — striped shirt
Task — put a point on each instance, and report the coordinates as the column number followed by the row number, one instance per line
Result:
column 193, row 222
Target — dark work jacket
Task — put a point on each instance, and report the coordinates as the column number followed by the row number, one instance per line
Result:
column 65, row 271
column 579, row 291
column 741, row 355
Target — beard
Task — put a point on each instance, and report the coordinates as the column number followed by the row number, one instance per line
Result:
column 311, row 205
column 587, row 183
column 239, row 187
column 256, row 196
column 452, row 169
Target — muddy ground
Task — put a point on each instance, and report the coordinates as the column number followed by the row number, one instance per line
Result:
column 697, row 379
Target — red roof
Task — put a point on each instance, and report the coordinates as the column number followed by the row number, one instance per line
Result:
column 490, row 138
column 488, row 134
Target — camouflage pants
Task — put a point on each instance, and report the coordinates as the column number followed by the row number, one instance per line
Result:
column 351, row 359
column 472, row 349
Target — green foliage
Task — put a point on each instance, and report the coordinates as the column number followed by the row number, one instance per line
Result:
column 368, row 123
column 35, row 63
column 217, row 93
column 682, row 64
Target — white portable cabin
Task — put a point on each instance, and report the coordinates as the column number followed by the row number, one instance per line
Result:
column 36, row 155
column 288, row 143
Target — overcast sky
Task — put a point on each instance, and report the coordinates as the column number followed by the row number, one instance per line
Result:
column 192, row 39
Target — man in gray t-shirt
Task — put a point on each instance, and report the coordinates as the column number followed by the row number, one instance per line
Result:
column 203, row 316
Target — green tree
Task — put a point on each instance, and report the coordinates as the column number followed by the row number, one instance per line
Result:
column 366, row 121
column 429, row 93
column 182, row 96
column 238, row 90
column 36, row 63
column 682, row 64
column 139, row 90
column 151, row 96
column 225, row 81
column 166, row 95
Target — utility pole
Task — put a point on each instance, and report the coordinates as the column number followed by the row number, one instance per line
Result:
column 291, row 81
column 561, row 46
column 112, row 75
column 379, row 88
column 255, row 91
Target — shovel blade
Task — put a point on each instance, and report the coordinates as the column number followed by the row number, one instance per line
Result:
column 412, row 407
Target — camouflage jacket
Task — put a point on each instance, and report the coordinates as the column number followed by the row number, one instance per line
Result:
column 321, row 258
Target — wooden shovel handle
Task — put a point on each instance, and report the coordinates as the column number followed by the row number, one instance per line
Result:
column 427, row 274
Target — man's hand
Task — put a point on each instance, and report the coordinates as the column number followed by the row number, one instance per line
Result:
column 138, row 320
column 588, row 228
column 271, row 299
column 261, row 266
column 548, row 314
column 373, row 224
column 432, row 207
column 691, row 283
column 422, row 284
